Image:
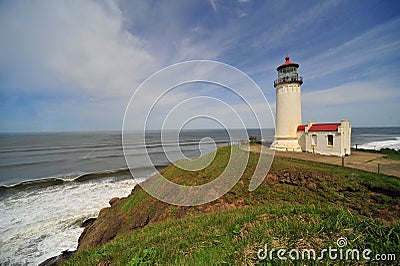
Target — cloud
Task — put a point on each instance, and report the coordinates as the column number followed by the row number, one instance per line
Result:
column 364, row 103
column 214, row 5
column 88, row 56
column 73, row 45
column 351, row 93
column 378, row 43
column 159, row 96
column 85, row 59
column 291, row 24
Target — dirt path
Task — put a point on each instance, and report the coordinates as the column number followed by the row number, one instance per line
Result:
column 359, row 160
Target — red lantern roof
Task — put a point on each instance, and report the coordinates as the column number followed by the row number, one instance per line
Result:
column 287, row 63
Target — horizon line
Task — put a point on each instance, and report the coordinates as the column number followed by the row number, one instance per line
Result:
column 138, row 130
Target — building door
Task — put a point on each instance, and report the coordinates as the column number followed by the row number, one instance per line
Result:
column 314, row 140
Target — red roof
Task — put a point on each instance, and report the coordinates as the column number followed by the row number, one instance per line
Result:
column 287, row 63
column 301, row 128
column 320, row 127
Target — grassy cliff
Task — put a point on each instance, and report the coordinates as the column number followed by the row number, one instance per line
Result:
column 299, row 205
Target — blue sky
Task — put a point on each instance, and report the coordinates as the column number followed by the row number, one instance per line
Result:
column 73, row 65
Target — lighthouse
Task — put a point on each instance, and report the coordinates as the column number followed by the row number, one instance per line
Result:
column 288, row 107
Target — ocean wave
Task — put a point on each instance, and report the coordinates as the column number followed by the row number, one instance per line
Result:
column 382, row 144
column 62, row 179
column 157, row 144
column 92, row 156
column 44, row 152
column 90, row 149
column 56, row 150
column 44, row 222
column 31, row 163
column 30, row 149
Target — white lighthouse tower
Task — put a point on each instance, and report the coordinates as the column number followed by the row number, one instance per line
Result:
column 288, row 107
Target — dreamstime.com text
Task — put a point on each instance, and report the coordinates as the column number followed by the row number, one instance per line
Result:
column 332, row 253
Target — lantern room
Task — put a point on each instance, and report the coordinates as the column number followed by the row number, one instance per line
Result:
column 288, row 73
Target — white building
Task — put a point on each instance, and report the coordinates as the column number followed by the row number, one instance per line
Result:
column 290, row 134
column 327, row 139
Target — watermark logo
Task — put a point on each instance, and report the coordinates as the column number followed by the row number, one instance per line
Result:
column 332, row 253
column 341, row 242
column 199, row 91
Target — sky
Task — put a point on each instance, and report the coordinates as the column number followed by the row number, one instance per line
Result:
column 74, row 65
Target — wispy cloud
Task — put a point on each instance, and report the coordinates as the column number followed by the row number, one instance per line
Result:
column 379, row 43
column 288, row 24
column 214, row 5
column 363, row 103
column 351, row 93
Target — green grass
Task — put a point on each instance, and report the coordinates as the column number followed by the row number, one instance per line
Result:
column 388, row 153
column 332, row 202
column 233, row 237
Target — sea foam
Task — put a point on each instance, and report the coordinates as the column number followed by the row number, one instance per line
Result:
column 382, row 144
column 40, row 223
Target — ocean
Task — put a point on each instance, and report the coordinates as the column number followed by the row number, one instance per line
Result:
column 51, row 182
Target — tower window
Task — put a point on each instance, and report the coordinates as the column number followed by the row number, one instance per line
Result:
column 330, row 140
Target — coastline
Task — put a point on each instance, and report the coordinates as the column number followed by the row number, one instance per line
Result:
column 118, row 226
column 59, row 259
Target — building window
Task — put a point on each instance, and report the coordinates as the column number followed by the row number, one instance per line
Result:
column 330, row 140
